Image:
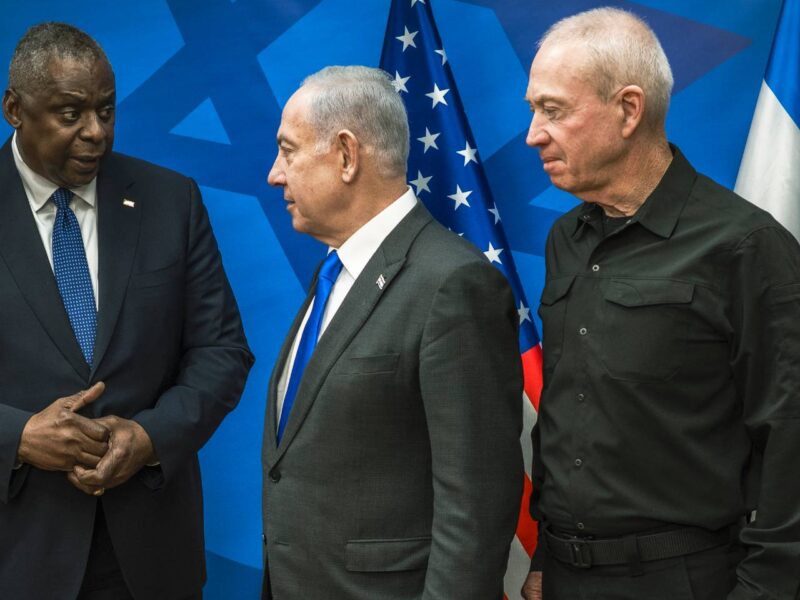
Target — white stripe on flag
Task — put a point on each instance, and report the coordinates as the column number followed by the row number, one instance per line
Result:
column 519, row 564
column 769, row 175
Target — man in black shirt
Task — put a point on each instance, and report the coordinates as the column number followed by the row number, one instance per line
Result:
column 671, row 319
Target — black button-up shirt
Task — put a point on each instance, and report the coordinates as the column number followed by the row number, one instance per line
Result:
column 672, row 374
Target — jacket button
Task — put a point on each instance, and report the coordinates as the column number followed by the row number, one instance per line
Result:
column 275, row 476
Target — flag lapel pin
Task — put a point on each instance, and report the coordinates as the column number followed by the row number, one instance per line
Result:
column 128, row 203
column 381, row 281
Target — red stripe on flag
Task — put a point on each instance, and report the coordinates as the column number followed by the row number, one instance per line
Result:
column 532, row 370
column 527, row 528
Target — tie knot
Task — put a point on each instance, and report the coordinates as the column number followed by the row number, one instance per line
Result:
column 61, row 198
column 331, row 267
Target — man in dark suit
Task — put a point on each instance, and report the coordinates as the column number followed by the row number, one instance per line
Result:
column 392, row 463
column 111, row 282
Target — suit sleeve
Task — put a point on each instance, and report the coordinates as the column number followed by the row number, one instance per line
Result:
column 215, row 357
column 12, row 422
column 471, row 382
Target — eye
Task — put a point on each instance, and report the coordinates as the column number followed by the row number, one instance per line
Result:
column 70, row 116
column 106, row 113
column 550, row 112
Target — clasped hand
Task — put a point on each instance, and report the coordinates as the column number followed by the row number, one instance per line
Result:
column 97, row 454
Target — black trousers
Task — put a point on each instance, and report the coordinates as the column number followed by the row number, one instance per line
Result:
column 103, row 578
column 707, row 575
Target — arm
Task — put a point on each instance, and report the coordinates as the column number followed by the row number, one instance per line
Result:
column 766, row 322
column 213, row 368
column 471, row 382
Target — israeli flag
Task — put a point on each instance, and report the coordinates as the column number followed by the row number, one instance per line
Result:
column 769, row 175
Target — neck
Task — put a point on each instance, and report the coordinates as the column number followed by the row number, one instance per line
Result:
column 368, row 202
column 637, row 176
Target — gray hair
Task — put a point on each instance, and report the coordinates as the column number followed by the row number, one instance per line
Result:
column 623, row 50
column 363, row 100
column 28, row 71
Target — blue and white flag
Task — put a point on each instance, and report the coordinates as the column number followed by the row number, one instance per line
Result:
column 769, row 175
column 445, row 170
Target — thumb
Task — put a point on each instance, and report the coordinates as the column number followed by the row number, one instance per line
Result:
column 86, row 397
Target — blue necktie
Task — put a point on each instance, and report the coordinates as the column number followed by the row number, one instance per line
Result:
column 308, row 341
column 72, row 274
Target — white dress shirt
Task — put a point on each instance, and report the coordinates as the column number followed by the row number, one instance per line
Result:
column 355, row 253
column 38, row 189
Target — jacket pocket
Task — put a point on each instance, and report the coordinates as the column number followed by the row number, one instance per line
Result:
column 363, row 365
column 372, row 556
column 644, row 328
column 552, row 311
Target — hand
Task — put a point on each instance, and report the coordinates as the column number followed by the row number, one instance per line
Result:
column 532, row 588
column 57, row 438
column 129, row 449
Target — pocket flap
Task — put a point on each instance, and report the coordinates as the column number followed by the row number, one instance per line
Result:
column 555, row 289
column 648, row 292
column 369, row 556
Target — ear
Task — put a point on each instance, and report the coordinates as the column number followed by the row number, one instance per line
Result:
column 350, row 152
column 12, row 108
column 632, row 102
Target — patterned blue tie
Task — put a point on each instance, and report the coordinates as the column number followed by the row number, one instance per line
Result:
column 72, row 274
column 331, row 267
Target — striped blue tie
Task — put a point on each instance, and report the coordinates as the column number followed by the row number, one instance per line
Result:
column 331, row 267
column 72, row 274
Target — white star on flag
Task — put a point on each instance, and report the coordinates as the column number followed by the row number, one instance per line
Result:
column 399, row 83
column 493, row 254
column 496, row 214
column 468, row 154
column 421, row 183
column 437, row 96
column 429, row 139
column 407, row 38
column 524, row 312
column 443, row 54
column 460, row 198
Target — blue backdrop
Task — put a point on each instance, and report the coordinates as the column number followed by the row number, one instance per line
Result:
column 200, row 88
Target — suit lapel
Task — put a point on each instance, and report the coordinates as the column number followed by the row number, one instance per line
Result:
column 359, row 303
column 118, row 226
column 271, row 420
column 22, row 251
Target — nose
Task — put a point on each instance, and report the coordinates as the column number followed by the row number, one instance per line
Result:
column 93, row 129
column 276, row 176
column 537, row 136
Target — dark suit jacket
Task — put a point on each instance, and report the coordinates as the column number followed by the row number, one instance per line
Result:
column 400, row 471
column 171, row 350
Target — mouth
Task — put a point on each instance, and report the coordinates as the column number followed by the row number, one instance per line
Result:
column 87, row 161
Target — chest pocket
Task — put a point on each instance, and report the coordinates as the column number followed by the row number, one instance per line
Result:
column 552, row 311
column 645, row 328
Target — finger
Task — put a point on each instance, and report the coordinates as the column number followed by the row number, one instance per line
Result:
column 86, row 489
column 86, row 397
column 94, row 448
column 89, row 461
column 93, row 429
column 101, row 475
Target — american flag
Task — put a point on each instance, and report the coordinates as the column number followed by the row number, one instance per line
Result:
column 445, row 170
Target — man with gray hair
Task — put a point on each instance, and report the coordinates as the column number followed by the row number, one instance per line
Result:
column 392, row 464
column 671, row 337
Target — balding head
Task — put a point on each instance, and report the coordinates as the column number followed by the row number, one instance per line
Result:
column 621, row 50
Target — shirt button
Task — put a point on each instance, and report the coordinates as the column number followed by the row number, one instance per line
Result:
column 595, row 268
column 583, row 331
column 580, row 526
column 581, row 397
column 578, row 462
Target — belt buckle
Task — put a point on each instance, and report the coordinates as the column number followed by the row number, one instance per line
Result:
column 580, row 553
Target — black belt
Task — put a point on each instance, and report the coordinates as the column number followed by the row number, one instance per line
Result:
column 583, row 552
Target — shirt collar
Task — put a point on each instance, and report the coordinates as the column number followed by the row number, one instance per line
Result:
column 660, row 211
column 356, row 251
column 39, row 188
